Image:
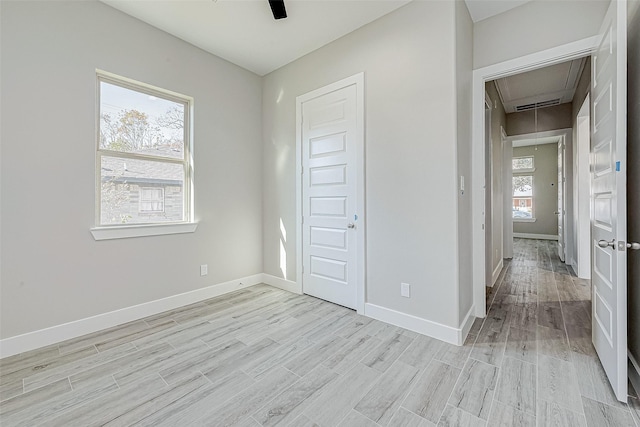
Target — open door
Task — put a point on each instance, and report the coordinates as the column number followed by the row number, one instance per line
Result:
column 608, row 197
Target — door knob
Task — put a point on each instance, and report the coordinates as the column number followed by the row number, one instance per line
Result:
column 351, row 225
column 633, row 246
column 605, row 244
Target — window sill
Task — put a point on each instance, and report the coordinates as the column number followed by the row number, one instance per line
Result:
column 524, row 220
column 130, row 231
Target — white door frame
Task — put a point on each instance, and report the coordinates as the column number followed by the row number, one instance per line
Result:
column 525, row 63
column 358, row 81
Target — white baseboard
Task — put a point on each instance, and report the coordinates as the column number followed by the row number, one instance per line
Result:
column 467, row 323
column 280, row 283
column 417, row 324
column 536, row 236
column 496, row 272
column 634, row 372
column 55, row 334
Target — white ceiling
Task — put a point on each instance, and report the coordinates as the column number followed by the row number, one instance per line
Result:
column 554, row 83
column 244, row 32
column 483, row 9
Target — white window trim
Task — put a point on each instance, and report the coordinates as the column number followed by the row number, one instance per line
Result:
column 142, row 230
column 108, row 232
column 533, row 205
column 524, row 220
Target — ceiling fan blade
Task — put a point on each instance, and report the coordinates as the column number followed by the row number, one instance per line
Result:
column 277, row 7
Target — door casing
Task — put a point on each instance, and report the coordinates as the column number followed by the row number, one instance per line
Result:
column 358, row 81
column 556, row 55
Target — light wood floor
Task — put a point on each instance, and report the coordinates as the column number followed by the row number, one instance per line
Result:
column 262, row 356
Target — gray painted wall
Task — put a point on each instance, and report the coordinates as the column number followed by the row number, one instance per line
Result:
column 409, row 61
column 549, row 118
column 52, row 269
column 633, row 176
column 464, row 64
column 533, row 27
column 579, row 205
column 545, row 190
column 498, row 121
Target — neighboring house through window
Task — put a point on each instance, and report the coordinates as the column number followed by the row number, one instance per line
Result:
column 143, row 154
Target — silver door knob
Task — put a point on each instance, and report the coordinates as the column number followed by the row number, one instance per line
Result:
column 351, row 225
column 605, row 244
column 633, row 246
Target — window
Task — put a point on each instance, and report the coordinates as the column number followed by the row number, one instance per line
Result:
column 523, row 164
column 523, row 197
column 142, row 154
column 151, row 199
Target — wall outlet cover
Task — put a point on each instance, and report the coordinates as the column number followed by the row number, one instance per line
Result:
column 405, row 290
column 204, row 269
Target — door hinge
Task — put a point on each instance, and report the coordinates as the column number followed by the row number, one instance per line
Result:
column 303, row 268
column 302, row 169
column 303, row 220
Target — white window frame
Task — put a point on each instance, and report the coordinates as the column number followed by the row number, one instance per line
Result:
column 524, row 170
column 533, row 204
column 187, row 225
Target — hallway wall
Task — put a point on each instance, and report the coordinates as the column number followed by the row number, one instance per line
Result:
column 545, row 190
column 496, row 186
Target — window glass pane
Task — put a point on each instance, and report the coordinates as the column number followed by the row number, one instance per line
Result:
column 522, row 163
column 140, row 191
column 136, row 122
column 523, row 196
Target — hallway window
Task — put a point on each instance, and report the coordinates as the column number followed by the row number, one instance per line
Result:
column 523, row 164
column 522, row 197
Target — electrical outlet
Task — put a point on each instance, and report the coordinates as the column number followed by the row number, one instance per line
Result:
column 405, row 290
column 204, row 269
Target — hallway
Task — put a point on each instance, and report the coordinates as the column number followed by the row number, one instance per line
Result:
column 538, row 330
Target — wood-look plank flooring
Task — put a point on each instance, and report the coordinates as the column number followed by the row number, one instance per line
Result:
column 264, row 357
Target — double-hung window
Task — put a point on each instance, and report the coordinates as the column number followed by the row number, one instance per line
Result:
column 143, row 156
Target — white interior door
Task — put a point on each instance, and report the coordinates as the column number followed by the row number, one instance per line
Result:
column 329, row 133
column 560, row 211
column 608, row 184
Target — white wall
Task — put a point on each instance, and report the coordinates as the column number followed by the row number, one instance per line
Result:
column 408, row 58
column 464, row 65
column 535, row 26
column 52, row 269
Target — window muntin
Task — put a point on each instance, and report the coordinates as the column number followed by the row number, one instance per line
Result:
column 142, row 154
column 522, row 197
